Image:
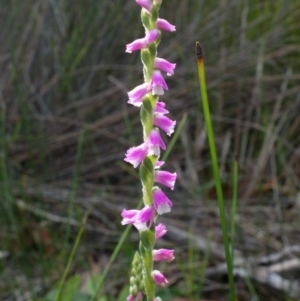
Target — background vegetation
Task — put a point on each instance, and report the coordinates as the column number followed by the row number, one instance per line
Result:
column 65, row 126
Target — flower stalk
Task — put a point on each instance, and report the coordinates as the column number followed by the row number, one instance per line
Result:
column 147, row 154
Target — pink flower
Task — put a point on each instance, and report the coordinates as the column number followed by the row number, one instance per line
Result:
column 136, row 95
column 144, row 42
column 159, row 278
column 160, row 108
column 161, row 202
column 159, row 164
column 165, row 178
column 160, row 230
column 157, row 83
column 155, row 142
column 138, row 297
column 129, row 216
column 165, row 123
column 163, row 255
column 130, row 298
column 146, row 4
column 164, row 65
column 164, row 25
column 135, row 155
column 146, row 215
column 141, row 219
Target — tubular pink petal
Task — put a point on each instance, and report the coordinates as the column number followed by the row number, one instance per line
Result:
column 136, row 95
column 159, row 164
column 161, row 202
column 165, row 123
column 135, row 155
column 163, row 255
column 141, row 219
column 160, row 108
column 165, row 25
column 165, row 178
column 129, row 213
column 146, row 4
column 136, row 45
column 129, row 216
column 151, row 36
column 156, row 140
column 160, row 230
column 164, row 65
column 144, row 219
column 146, row 215
column 159, row 278
column 139, row 297
column 130, row 298
column 157, row 83
column 144, row 42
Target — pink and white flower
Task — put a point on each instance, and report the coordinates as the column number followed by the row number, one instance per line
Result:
column 165, row 178
column 136, row 95
column 146, row 4
column 138, row 44
column 164, row 65
column 161, row 203
column 160, row 108
column 165, row 25
column 135, row 155
column 163, row 255
column 129, row 216
column 165, row 123
column 159, row 164
column 141, row 219
column 155, row 143
column 157, row 83
column 159, row 278
column 160, row 230
column 138, row 297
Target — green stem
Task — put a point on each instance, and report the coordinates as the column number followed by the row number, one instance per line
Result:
column 111, row 260
column 213, row 153
column 146, row 246
column 70, row 260
column 234, row 206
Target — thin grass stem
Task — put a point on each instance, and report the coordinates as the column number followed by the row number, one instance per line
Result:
column 214, row 158
column 112, row 259
column 175, row 137
column 71, row 257
column 234, row 206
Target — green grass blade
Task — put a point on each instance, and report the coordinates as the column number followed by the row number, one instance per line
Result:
column 234, row 205
column 214, row 158
column 71, row 257
column 175, row 137
column 111, row 260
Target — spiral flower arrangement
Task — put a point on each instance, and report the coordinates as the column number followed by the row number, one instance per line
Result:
column 153, row 113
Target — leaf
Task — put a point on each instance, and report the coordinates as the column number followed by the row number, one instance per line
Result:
column 124, row 293
column 91, row 284
column 69, row 291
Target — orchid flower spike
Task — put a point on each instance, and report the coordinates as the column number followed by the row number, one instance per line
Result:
column 146, row 155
